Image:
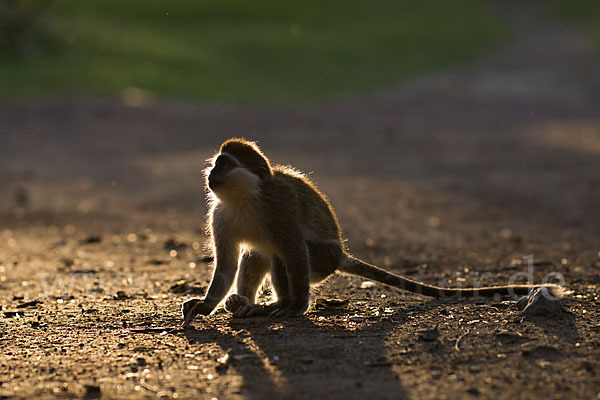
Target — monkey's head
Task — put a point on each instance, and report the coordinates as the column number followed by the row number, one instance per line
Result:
column 237, row 170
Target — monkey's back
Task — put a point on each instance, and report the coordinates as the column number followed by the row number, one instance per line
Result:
column 308, row 203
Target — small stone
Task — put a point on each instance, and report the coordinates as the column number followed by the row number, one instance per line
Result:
column 92, row 239
column 223, row 359
column 181, row 286
column 540, row 302
column 121, row 295
column 367, row 284
column 67, row 262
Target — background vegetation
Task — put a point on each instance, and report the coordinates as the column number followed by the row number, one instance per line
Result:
column 231, row 50
column 583, row 12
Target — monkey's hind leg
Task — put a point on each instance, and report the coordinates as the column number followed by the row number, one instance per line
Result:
column 252, row 271
column 297, row 293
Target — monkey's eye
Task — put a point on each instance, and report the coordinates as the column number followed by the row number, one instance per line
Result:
column 225, row 162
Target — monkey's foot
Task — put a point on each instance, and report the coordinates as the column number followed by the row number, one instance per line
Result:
column 238, row 305
column 288, row 312
column 254, row 310
column 235, row 302
column 257, row 310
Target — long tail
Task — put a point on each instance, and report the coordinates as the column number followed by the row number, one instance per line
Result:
column 356, row 266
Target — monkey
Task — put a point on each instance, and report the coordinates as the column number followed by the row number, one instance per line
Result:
column 266, row 219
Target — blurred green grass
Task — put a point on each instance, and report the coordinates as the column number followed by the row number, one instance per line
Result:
column 236, row 51
column 582, row 12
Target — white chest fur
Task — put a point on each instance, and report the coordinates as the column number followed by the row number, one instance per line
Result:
column 243, row 225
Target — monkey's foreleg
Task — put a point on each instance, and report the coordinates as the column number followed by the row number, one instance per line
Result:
column 222, row 280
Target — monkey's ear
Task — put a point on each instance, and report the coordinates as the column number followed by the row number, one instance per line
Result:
column 264, row 171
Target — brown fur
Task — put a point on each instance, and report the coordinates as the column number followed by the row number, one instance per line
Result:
column 281, row 223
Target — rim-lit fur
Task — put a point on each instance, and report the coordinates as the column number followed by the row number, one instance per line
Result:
column 272, row 219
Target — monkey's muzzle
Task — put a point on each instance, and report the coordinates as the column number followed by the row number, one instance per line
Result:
column 214, row 182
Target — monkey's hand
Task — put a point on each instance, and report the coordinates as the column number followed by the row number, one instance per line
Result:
column 192, row 307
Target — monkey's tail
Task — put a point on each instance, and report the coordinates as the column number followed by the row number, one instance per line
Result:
column 355, row 266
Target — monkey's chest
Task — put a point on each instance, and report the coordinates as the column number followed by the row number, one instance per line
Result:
column 245, row 227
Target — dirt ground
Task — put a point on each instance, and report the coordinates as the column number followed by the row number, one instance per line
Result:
column 452, row 179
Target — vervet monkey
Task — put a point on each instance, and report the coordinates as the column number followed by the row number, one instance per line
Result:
column 272, row 219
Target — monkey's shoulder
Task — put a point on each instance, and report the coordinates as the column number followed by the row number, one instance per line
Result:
column 288, row 173
column 289, row 182
column 304, row 200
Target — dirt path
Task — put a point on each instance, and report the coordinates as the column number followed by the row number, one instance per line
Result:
column 452, row 178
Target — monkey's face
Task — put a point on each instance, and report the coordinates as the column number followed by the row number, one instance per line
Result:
column 230, row 180
column 223, row 165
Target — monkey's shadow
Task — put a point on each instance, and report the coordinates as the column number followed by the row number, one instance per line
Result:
column 302, row 358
